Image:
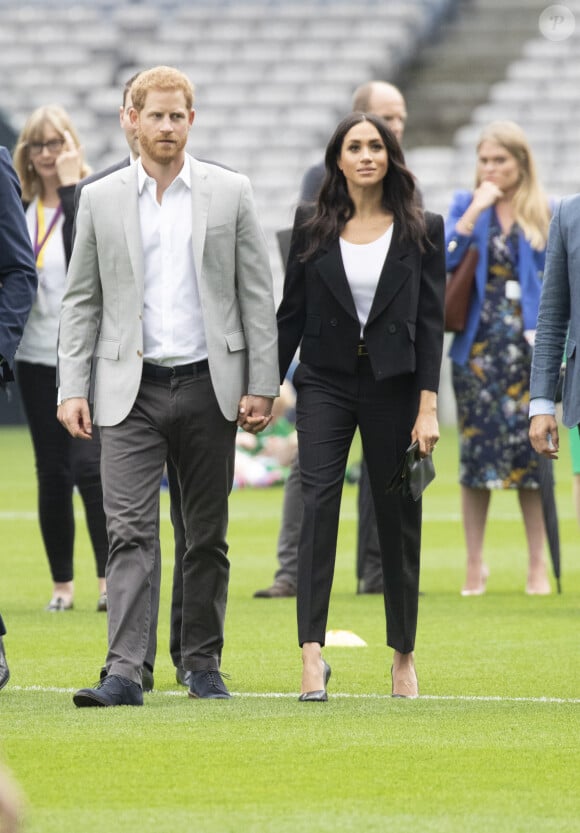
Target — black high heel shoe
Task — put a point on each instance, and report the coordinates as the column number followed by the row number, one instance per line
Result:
column 318, row 696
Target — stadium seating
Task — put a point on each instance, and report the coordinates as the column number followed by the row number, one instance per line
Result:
column 272, row 78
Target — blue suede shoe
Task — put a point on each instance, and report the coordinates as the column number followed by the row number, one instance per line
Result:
column 208, row 685
column 113, row 690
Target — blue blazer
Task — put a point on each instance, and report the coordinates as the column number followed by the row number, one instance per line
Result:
column 18, row 279
column 531, row 271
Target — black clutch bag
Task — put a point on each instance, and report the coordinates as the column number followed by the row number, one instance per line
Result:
column 413, row 475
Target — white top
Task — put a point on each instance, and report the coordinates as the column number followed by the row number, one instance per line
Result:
column 40, row 336
column 363, row 264
column 173, row 328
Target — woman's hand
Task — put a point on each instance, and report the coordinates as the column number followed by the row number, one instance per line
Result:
column 426, row 428
column 485, row 195
column 69, row 162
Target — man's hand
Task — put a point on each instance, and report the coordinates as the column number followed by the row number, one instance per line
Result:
column 544, row 435
column 74, row 414
column 254, row 413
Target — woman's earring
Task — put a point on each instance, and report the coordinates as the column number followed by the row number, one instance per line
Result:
column 30, row 167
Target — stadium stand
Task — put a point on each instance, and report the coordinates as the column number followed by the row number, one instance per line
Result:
column 269, row 87
column 274, row 76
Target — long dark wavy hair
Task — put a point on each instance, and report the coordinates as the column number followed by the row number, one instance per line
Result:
column 334, row 207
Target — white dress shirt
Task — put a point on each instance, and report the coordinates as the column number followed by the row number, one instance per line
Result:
column 173, row 328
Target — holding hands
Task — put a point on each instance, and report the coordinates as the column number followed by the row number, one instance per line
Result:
column 254, row 413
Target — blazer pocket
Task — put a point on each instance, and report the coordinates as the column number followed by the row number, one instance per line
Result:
column 107, row 349
column 236, row 341
column 412, row 329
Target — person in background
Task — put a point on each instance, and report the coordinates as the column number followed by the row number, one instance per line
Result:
column 49, row 162
column 558, row 332
column 4, row 670
column 11, row 803
column 18, row 283
column 176, row 245
column 363, row 297
column 386, row 101
column 574, row 440
column 506, row 217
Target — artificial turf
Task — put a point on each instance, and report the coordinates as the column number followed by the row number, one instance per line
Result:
column 491, row 746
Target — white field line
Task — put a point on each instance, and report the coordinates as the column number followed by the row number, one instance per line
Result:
column 272, row 695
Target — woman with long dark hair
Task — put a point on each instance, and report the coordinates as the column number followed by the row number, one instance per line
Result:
column 363, row 296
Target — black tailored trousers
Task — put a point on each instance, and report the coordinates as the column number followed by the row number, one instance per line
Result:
column 330, row 406
column 61, row 464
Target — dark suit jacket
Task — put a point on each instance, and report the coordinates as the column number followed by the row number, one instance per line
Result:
column 404, row 331
column 18, row 279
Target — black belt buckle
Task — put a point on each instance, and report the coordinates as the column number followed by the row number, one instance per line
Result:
column 361, row 349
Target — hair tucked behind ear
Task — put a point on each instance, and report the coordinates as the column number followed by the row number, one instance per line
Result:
column 334, row 207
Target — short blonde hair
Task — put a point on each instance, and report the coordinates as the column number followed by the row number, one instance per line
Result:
column 33, row 131
column 161, row 78
column 530, row 203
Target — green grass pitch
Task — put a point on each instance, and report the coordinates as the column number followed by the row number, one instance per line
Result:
column 491, row 746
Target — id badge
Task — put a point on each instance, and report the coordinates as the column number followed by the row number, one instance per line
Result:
column 513, row 290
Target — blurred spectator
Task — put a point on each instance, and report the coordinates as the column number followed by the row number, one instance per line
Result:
column 18, row 282
column 264, row 459
column 506, row 217
column 4, row 670
column 49, row 162
column 11, row 803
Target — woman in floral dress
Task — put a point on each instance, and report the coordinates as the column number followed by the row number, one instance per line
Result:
column 506, row 217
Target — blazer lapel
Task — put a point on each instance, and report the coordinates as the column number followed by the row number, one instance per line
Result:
column 200, row 199
column 129, row 208
column 331, row 270
column 394, row 275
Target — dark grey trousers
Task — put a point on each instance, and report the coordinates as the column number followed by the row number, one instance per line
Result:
column 178, row 417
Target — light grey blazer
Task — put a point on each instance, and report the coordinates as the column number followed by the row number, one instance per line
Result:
column 102, row 309
column 560, row 313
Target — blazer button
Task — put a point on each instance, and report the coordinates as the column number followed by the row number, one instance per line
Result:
column 140, row 354
column 392, row 328
column 334, row 322
column 452, row 245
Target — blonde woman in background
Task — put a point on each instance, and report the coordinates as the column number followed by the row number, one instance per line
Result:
column 49, row 162
column 506, row 217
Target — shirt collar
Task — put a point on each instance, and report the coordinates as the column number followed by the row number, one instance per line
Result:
column 143, row 177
